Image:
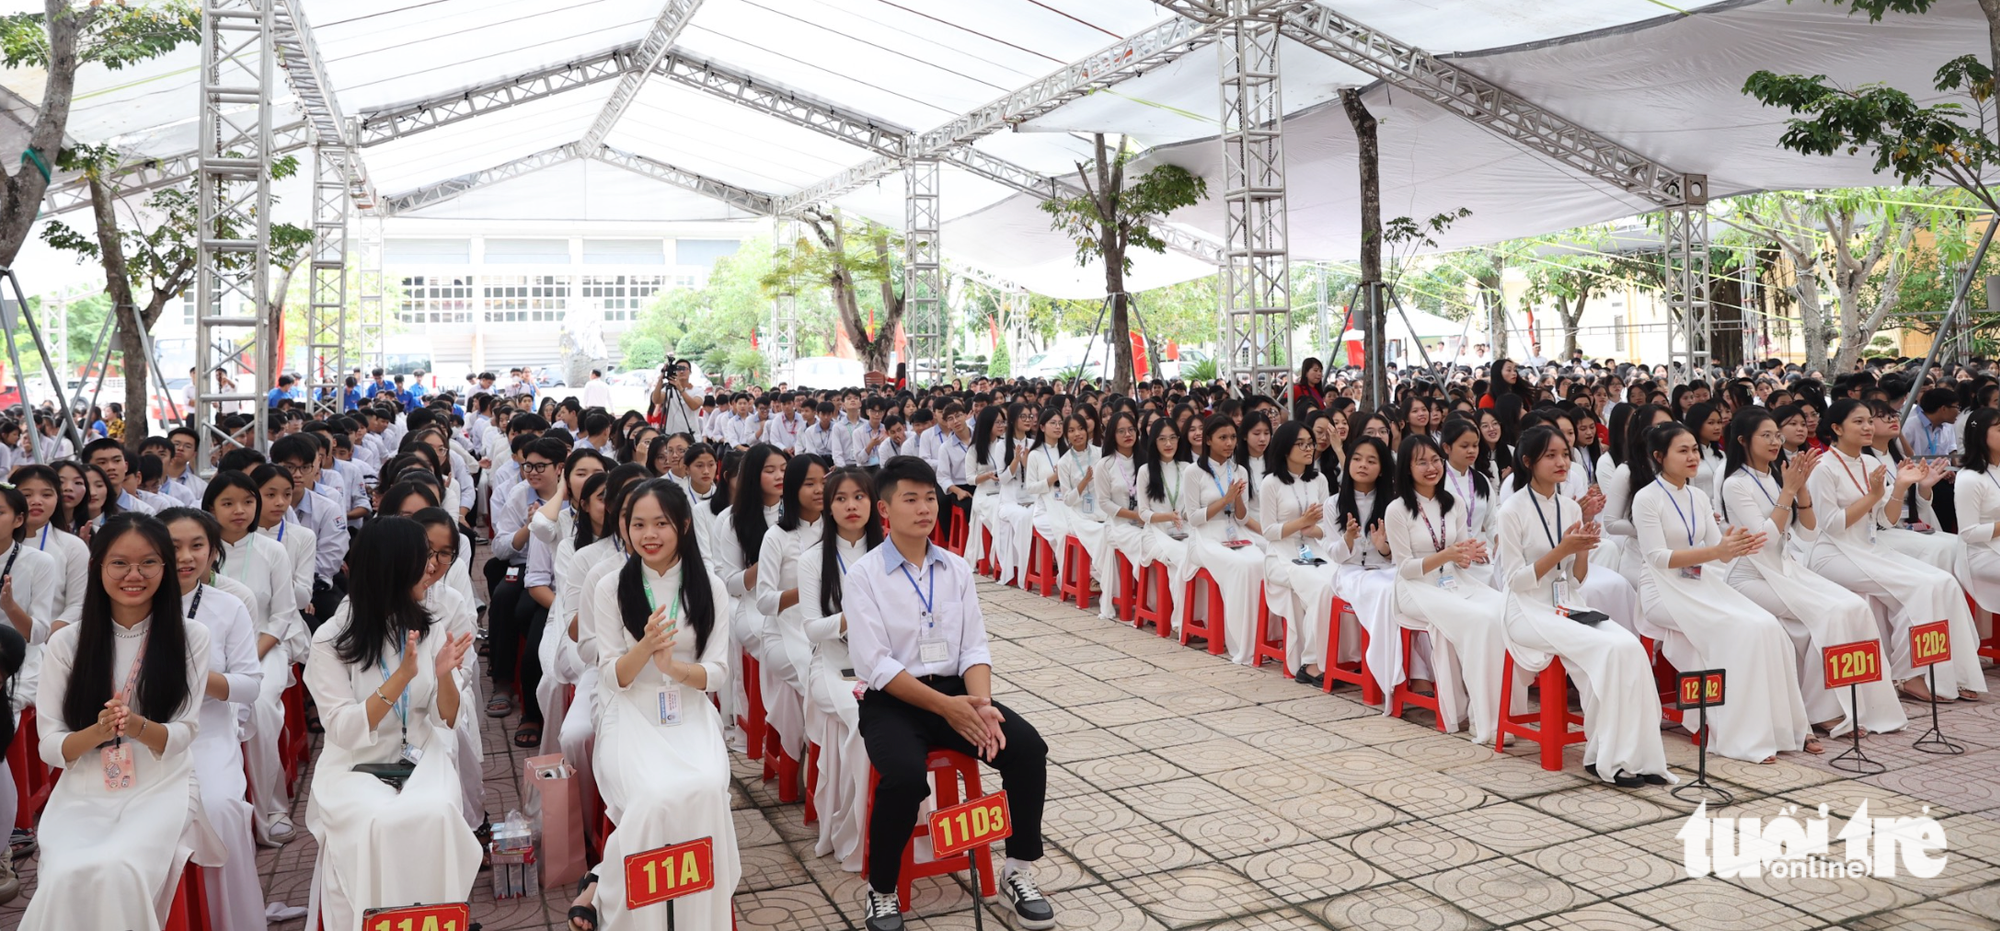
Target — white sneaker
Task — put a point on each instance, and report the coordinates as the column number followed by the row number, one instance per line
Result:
column 880, row 910
column 1031, row 909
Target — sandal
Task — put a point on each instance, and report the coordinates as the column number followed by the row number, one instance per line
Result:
column 528, row 736
column 499, row 706
column 582, row 918
column 1813, row 746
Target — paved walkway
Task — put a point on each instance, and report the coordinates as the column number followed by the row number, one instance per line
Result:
column 1187, row 792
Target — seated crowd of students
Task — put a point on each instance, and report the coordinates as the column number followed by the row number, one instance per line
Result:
column 665, row 587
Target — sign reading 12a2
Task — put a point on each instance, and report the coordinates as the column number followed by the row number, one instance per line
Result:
column 455, row 916
column 666, row 873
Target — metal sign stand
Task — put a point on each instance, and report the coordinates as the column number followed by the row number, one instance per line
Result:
column 1853, row 760
column 1933, row 740
column 1701, row 790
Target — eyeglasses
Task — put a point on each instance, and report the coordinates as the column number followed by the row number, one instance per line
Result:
column 535, row 468
column 146, row 569
column 295, row 469
column 444, row 555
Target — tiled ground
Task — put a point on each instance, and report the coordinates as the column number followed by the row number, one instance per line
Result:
column 1187, row 792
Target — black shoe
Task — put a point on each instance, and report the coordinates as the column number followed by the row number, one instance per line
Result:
column 1031, row 909
column 880, row 910
column 1590, row 768
column 1303, row 677
column 1654, row 779
column 1625, row 780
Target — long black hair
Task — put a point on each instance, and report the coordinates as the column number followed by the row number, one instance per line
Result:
column 617, row 483
column 746, row 516
column 1976, row 427
column 982, row 430
column 790, row 511
column 1457, row 427
column 1208, row 428
column 1636, row 426
column 585, row 534
column 1657, row 440
column 1534, row 445
column 1836, row 413
column 1156, row 478
column 830, row 581
column 1251, row 419
column 1384, row 484
column 111, row 493
column 163, row 687
column 439, row 517
column 13, row 652
column 1742, row 427
column 1697, row 418
column 226, row 480
column 1038, row 438
column 1108, row 442
column 697, row 599
column 1621, row 414
column 384, row 566
column 1406, row 479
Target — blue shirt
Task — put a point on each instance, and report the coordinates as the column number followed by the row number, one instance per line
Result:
column 277, row 394
column 350, row 399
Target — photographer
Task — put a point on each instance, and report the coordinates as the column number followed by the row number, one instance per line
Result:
column 674, row 410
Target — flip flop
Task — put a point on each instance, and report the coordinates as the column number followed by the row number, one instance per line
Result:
column 499, row 706
column 585, row 914
column 528, row 737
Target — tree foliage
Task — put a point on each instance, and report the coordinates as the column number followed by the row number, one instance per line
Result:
column 843, row 262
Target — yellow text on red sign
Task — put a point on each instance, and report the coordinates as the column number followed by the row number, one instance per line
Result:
column 1700, row 688
column 970, row 824
column 455, row 916
column 1853, row 663
column 669, row 872
column 1930, row 643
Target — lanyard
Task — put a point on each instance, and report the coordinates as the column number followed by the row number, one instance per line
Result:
column 1932, row 434
column 196, row 606
column 1758, row 480
column 1466, row 495
column 930, row 576
column 1174, row 489
column 1050, row 455
column 44, row 544
column 1837, row 454
column 1556, row 536
column 402, row 703
column 1437, row 539
column 674, row 606
column 132, row 678
column 1687, row 517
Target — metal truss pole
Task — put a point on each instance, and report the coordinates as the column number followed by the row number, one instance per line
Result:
column 923, row 271
column 1690, row 332
column 326, row 308
column 784, row 306
column 233, row 259
column 369, row 303
column 1256, row 275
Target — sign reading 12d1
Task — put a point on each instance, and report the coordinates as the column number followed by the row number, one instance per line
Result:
column 454, row 916
column 666, row 873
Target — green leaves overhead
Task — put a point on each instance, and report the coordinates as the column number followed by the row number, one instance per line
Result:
column 112, row 34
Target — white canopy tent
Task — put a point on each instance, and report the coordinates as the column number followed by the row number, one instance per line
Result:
column 1667, row 86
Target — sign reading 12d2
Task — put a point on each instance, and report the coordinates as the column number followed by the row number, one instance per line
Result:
column 666, row 873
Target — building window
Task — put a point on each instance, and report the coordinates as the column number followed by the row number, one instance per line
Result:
column 187, row 307
column 436, row 299
column 684, row 281
column 1618, row 331
column 526, row 298
column 621, row 296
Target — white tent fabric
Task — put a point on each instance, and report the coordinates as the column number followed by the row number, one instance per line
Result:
column 1667, row 85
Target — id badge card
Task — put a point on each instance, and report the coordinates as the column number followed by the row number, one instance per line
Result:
column 1560, row 592
column 411, row 755
column 513, row 574
column 931, row 650
column 118, row 772
column 1691, row 572
column 1447, row 582
column 670, row 706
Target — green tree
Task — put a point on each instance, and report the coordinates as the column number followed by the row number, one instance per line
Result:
column 1569, row 279
column 56, row 41
column 1110, row 217
column 160, row 260
column 999, row 366
column 844, row 262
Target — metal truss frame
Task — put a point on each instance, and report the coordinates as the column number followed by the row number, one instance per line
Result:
column 141, row 174
column 233, row 252
column 1690, row 318
column 1256, row 270
column 674, row 15
column 326, row 306
column 375, row 127
column 741, row 198
column 452, row 187
column 928, row 326
column 305, row 71
column 784, row 305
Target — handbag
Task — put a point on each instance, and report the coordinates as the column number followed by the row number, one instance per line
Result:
column 562, row 848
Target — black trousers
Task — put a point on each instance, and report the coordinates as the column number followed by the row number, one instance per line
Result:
column 1944, row 498
column 326, row 598
column 900, row 735
column 503, row 622
column 962, row 505
column 533, row 618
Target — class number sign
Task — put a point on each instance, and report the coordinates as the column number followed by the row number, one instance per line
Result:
column 1930, row 643
column 1853, row 663
column 454, row 916
column 666, row 873
column 964, row 826
column 1700, row 688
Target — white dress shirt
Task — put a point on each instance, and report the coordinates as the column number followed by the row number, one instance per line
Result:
column 885, row 601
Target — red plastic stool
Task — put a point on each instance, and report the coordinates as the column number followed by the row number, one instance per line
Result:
column 1075, row 584
column 812, row 781
column 1126, row 599
column 293, row 739
column 1989, row 648
column 781, row 765
column 1356, row 673
column 955, row 536
column 1210, row 629
column 988, row 566
column 1041, row 571
column 31, row 775
column 1268, row 647
column 1551, row 726
column 1667, row 679
column 1402, row 694
column 946, row 768
column 189, row 911
column 1156, row 600
column 752, row 725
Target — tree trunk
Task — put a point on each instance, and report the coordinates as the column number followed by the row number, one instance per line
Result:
column 1375, row 371
column 275, row 312
column 138, row 368
column 1495, row 302
column 1111, row 241
column 25, row 187
column 1572, row 318
column 893, row 306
